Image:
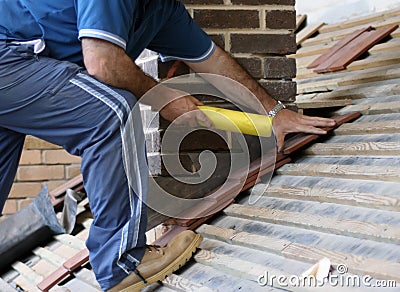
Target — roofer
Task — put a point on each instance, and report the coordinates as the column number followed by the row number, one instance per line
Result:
column 67, row 76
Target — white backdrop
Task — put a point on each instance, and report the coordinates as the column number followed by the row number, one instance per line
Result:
column 331, row 11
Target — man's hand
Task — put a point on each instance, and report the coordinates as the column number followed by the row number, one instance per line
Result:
column 287, row 121
column 185, row 110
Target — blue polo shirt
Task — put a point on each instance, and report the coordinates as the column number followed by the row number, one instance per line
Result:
column 160, row 25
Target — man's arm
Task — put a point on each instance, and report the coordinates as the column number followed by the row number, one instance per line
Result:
column 111, row 65
column 285, row 122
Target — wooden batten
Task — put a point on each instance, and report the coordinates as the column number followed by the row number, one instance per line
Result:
column 349, row 227
column 356, row 264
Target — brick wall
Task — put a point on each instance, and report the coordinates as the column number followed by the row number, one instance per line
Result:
column 41, row 164
column 258, row 33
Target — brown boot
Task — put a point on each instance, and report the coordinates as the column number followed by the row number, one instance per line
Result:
column 160, row 262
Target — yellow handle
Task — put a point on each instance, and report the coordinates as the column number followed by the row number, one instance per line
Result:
column 236, row 121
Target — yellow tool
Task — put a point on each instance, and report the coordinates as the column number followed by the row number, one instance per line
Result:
column 236, row 121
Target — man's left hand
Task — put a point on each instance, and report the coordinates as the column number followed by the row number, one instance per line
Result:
column 287, row 121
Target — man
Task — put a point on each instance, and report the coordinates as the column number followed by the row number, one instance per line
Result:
column 67, row 76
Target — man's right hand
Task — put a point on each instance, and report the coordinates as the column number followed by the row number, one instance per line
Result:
column 185, row 111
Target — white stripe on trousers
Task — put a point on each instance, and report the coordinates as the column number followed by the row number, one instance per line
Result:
column 126, row 128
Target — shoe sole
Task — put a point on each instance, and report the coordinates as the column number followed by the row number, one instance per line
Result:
column 174, row 266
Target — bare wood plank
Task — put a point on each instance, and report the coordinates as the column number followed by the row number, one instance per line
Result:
column 5, row 287
column 44, row 268
column 65, row 251
column 354, row 75
column 76, row 284
column 238, row 267
column 356, row 264
column 243, row 238
column 354, row 148
column 319, row 86
column 51, row 257
column 311, row 51
column 179, row 283
column 307, row 32
column 383, row 173
column 381, row 232
column 307, row 104
column 373, row 108
column 25, row 284
column 344, row 78
column 300, row 18
column 365, row 90
column 27, row 272
column 71, row 241
column 344, row 197
column 365, row 128
column 235, row 266
column 83, row 235
column 390, row 46
column 360, row 21
column 364, row 77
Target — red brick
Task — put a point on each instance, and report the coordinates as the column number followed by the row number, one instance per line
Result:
column 36, row 143
column 252, row 66
column 30, row 157
column 208, row 18
column 218, row 39
column 24, row 190
column 263, row 43
column 279, row 67
column 280, row 90
column 53, row 184
column 23, row 203
column 59, row 157
column 40, row 172
column 73, row 170
column 281, row 19
column 10, row 207
column 203, row 2
column 263, row 2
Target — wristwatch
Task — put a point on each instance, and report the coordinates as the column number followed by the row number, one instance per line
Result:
column 276, row 109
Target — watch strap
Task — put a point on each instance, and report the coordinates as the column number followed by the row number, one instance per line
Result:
column 276, row 109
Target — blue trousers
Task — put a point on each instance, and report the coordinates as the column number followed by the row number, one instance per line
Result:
column 58, row 102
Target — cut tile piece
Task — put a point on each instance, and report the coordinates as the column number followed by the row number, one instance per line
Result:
column 336, row 48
